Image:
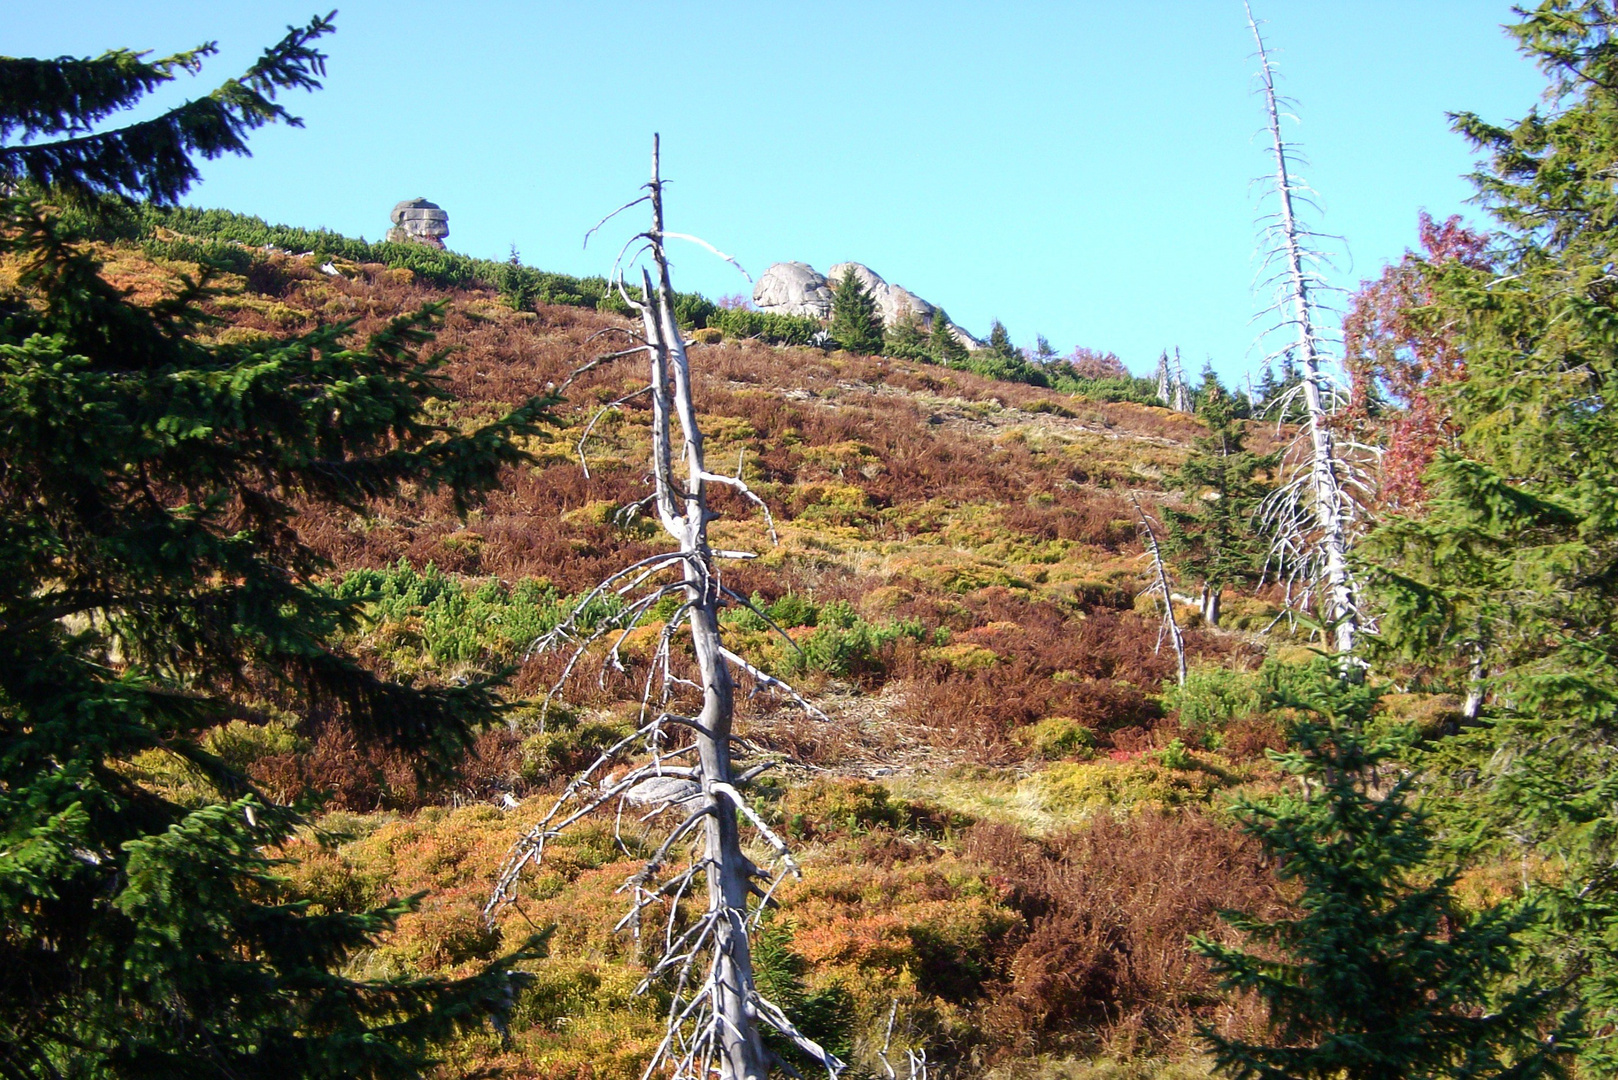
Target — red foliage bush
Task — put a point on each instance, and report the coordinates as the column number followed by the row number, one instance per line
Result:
column 1108, row 909
column 353, row 773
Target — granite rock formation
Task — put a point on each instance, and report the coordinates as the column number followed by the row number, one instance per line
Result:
column 417, row 221
column 795, row 288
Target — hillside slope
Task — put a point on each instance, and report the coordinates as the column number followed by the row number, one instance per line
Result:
column 1008, row 825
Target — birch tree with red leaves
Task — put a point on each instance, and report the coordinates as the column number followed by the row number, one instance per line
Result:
column 1400, row 352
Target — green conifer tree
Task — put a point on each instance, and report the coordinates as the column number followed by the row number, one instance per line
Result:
column 1000, row 346
column 944, row 346
column 152, row 585
column 1218, row 542
column 906, row 339
column 855, row 324
column 1503, row 585
column 1381, row 975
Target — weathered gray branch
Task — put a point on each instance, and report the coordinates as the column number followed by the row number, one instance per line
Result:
column 715, row 1008
column 1321, row 534
column 1170, row 624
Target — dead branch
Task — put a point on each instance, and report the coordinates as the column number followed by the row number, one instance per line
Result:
column 1170, row 624
column 1314, row 522
column 672, row 761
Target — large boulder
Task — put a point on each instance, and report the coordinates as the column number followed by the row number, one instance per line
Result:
column 417, row 221
column 899, row 302
column 793, row 288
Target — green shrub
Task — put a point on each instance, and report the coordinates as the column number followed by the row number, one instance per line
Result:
column 568, row 744
column 1175, row 756
column 769, row 327
column 843, row 642
column 829, row 807
column 1057, row 737
column 1212, row 697
column 240, row 744
column 429, row 612
column 852, row 649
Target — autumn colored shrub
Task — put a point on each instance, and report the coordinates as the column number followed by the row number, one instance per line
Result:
column 345, row 770
column 1057, row 737
column 1104, row 958
column 830, row 807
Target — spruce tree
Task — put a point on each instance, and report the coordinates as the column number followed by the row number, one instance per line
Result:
column 942, row 343
column 1381, row 975
column 1217, row 542
column 153, row 584
column 855, row 324
column 1502, row 585
column 1000, row 346
column 906, row 339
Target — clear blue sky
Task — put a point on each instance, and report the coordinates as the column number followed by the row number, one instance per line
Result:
column 1076, row 169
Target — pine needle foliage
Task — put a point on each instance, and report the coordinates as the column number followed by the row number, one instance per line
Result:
column 1217, row 541
column 1000, row 346
column 942, row 343
column 153, row 159
column 855, row 324
column 1381, row 975
column 1504, row 583
column 906, row 339
column 153, row 584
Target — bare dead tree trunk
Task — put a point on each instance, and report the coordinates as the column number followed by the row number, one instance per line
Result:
column 716, row 1010
column 1182, row 395
column 1324, row 472
column 1472, row 707
column 1161, row 586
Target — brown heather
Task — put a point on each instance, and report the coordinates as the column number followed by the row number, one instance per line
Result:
column 991, row 515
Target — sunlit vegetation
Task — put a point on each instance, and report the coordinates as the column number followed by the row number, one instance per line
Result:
column 282, row 552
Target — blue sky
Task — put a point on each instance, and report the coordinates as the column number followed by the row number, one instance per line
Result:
column 1077, row 169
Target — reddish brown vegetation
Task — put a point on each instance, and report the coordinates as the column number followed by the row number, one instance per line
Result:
column 1398, row 348
column 808, row 423
column 1100, row 669
column 1108, row 909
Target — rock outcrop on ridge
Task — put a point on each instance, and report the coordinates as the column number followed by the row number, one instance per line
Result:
column 417, row 221
column 795, row 288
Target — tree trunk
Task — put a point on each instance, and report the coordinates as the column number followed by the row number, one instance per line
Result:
column 1169, row 622
column 1326, row 494
column 712, row 1026
column 730, row 873
column 1472, row 708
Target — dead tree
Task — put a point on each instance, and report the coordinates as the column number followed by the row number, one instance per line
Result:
column 681, row 765
column 1312, row 512
column 1170, row 626
column 915, row 1058
column 1182, row 395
